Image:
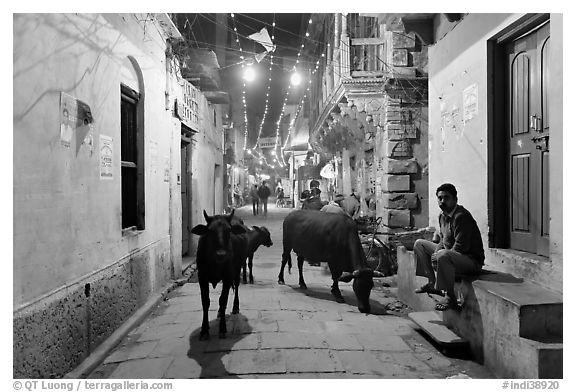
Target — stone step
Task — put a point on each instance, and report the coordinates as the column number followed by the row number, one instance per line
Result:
column 431, row 323
column 532, row 311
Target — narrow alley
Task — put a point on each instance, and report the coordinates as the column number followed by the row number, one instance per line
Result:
column 282, row 331
column 437, row 138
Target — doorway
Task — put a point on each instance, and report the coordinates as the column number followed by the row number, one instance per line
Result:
column 520, row 175
column 185, row 193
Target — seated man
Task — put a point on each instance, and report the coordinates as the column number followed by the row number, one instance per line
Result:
column 313, row 202
column 351, row 204
column 334, row 205
column 459, row 251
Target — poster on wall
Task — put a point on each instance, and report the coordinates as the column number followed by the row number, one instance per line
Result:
column 166, row 169
column 75, row 121
column 106, row 153
column 470, row 102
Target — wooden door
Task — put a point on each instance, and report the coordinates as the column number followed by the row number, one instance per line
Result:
column 185, row 196
column 528, row 75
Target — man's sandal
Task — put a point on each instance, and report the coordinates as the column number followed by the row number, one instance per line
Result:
column 449, row 304
column 429, row 288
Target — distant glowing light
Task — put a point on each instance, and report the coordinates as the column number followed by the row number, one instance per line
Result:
column 249, row 74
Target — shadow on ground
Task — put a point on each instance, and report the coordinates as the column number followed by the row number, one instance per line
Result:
column 212, row 355
column 323, row 293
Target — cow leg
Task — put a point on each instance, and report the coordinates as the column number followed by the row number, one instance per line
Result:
column 236, row 305
column 300, row 274
column 250, row 267
column 336, row 291
column 244, row 272
column 285, row 259
column 204, row 294
column 222, row 309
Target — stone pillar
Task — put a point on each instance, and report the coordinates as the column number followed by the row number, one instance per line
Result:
column 346, row 180
column 398, row 198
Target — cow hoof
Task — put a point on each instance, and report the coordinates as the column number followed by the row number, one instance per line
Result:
column 244, row 281
column 235, row 311
column 280, row 281
column 251, row 281
column 221, row 314
column 303, row 286
column 340, row 300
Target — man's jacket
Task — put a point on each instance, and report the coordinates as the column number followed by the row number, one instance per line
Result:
column 460, row 233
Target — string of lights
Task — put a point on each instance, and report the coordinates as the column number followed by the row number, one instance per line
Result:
column 243, row 84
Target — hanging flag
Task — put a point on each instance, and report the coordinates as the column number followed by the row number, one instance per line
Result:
column 260, row 56
column 263, row 38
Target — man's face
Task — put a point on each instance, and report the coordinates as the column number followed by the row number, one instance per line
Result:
column 446, row 201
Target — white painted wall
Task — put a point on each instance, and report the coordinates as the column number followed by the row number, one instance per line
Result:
column 458, row 154
column 67, row 222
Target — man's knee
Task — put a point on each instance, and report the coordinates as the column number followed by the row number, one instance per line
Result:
column 443, row 256
column 419, row 244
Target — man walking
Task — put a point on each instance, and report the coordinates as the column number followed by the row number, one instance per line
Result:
column 460, row 250
column 254, row 197
column 263, row 195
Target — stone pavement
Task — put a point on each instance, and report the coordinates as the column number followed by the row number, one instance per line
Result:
column 281, row 331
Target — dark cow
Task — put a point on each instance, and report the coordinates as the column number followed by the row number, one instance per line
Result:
column 318, row 236
column 221, row 251
column 256, row 236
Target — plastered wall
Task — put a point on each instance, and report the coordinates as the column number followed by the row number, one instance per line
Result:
column 458, row 136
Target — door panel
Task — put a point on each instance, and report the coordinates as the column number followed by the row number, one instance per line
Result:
column 528, row 130
column 184, row 194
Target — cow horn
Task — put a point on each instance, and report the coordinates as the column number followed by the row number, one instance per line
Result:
column 231, row 214
column 378, row 274
column 206, row 216
column 356, row 273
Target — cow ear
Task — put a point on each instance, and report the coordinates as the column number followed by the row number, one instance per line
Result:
column 200, row 229
column 346, row 277
column 238, row 229
column 231, row 215
column 257, row 228
column 206, row 217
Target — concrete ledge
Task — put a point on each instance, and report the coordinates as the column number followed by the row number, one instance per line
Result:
column 514, row 326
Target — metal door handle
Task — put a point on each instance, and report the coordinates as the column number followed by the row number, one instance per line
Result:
column 535, row 123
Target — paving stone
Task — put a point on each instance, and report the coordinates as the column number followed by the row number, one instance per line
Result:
column 183, row 367
column 148, row 368
column 373, row 341
column 291, row 340
column 212, row 365
column 183, row 307
column 343, row 341
column 300, row 326
column 187, row 317
column 234, row 342
column 166, row 331
column 256, row 362
column 434, row 360
column 133, row 351
column 362, row 362
column 406, row 365
column 312, row 360
column 170, row 347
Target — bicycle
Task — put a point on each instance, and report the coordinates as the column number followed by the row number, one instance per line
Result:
column 280, row 202
column 378, row 254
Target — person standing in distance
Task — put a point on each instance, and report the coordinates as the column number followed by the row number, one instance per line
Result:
column 263, row 195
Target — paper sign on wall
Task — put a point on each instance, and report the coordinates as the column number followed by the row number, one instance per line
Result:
column 470, row 102
column 75, row 120
column 106, row 154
